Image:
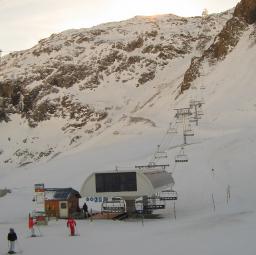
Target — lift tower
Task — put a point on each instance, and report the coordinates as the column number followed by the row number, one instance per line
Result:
column 196, row 105
column 182, row 115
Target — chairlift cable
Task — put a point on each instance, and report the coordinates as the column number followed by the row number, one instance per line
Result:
column 165, row 142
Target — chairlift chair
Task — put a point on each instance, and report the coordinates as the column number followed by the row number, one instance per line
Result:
column 200, row 104
column 202, row 101
column 153, row 203
column 200, row 113
column 160, row 154
column 181, row 157
column 172, row 130
column 194, row 119
column 178, row 121
column 188, row 131
column 192, row 103
column 116, row 205
column 151, row 164
column 168, row 194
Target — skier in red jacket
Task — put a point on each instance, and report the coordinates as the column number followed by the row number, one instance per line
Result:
column 31, row 223
column 71, row 223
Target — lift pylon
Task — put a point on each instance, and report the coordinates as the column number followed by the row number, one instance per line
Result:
column 196, row 105
column 182, row 115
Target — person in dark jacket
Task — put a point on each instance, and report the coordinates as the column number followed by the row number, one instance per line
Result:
column 85, row 209
column 12, row 237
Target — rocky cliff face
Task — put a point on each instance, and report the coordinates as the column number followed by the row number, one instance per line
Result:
column 246, row 10
column 89, row 79
column 224, row 43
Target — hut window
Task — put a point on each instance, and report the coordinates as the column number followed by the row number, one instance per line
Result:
column 63, row 205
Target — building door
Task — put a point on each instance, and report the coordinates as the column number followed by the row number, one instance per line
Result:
column 63, row 206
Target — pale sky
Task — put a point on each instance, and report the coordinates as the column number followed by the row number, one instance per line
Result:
column 24, row 22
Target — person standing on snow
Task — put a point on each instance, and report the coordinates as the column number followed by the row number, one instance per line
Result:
column 71, row 223
column 12, row 237
column 31, row 223
column 85, row 209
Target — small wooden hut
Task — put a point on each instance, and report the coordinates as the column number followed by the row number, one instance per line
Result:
column 61, row 202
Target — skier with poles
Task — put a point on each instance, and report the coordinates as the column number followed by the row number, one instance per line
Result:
column 12, row 237
column 31, row 223
column 71, row 223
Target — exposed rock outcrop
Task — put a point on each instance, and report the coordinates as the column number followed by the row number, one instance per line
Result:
column 224, row 43
column 246, row 10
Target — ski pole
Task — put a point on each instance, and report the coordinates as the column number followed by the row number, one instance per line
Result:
column 40, row 233
column 77, row 232
column 18, row 244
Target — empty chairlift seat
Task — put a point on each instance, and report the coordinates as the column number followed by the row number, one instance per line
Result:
column 115, row 205
column 168, row 194
column 149, row 204
column 154, row 203
column 188, row 131
column 181, row 157
column 172, row 129
column 160, row 154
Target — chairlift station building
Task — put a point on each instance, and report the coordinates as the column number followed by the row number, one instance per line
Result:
column 128, row 185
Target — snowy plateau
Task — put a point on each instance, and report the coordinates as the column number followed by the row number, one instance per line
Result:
column 95, row 99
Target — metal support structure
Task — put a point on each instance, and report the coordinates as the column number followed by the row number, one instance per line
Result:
column 174, row 209
column 182, row 114
column 152, row 165
column 196, row 104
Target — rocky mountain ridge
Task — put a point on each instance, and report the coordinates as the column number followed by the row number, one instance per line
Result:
column 81, row 83
column 224, row 43
column 133, row 50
